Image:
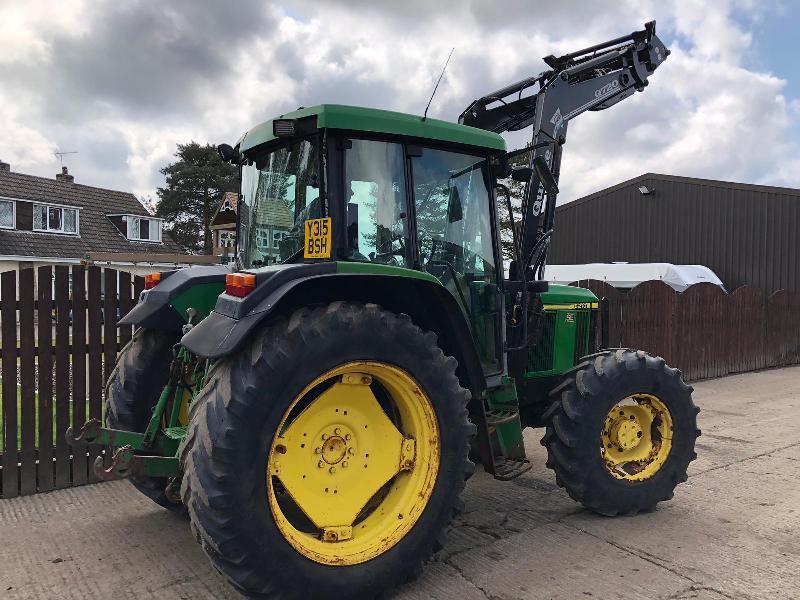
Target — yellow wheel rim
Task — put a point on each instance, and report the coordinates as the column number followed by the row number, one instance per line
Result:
column 354, row 463
column 636, row 438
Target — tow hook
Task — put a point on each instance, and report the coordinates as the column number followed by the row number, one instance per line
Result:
column 122, row 463
column 88, row 433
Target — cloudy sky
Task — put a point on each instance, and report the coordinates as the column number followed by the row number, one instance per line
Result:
column 122, row 83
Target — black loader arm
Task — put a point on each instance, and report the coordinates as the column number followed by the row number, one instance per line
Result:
column 594, row 78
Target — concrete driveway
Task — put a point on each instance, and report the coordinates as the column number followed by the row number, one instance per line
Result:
column 732, row 531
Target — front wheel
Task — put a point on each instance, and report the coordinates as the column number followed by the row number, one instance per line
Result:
column 621, row 432
column 327, row 458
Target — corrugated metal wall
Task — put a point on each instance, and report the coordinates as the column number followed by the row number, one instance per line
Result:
column 747, row 234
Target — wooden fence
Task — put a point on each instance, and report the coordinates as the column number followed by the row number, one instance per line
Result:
column 704, row 331
column 59, row 340
column 58, row 343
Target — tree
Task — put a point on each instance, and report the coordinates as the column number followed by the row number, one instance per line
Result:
column 195, row 184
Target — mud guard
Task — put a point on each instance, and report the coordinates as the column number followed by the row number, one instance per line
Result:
column 233, row 320
column 155, row 309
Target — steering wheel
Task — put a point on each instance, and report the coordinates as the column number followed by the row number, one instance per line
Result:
column 391, row 253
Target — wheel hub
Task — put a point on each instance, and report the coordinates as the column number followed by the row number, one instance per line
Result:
column 636, row 437
column 334, row 449
column 626, row 433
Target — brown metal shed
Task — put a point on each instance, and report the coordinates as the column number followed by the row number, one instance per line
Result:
column 746, row 233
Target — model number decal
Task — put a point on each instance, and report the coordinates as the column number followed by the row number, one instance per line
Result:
column 606, row 89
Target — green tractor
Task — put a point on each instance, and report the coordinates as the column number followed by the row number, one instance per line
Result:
column 315, row 406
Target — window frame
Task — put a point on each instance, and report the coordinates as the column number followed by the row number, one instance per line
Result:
column 321, row 138
column 500, row 334
column 50, row 205
column 127, row 219
column 277, row 237
column 13, row 202
column 345, row 143
column 230, row 236
column 339, row 165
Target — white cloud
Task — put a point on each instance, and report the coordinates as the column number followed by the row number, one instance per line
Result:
column 704, row 114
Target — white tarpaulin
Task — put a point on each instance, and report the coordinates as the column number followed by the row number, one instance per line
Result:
column 628, row 275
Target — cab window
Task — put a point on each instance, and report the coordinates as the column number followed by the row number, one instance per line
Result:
column 375, row 193
column 280, row 191
column 454, row 238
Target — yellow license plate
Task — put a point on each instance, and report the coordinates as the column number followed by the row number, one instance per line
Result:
column 318, row 238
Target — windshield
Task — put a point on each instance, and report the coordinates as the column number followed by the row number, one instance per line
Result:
column 280, row 190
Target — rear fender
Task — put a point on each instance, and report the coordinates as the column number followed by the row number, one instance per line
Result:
column 164, row 306
column 431, row 306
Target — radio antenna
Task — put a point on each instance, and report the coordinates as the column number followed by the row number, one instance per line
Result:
column 438, row 81
column 61, row 155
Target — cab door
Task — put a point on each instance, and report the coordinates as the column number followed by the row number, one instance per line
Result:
column 454, row 241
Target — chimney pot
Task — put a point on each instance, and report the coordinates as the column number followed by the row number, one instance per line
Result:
column 4, row 166
column 65, row 176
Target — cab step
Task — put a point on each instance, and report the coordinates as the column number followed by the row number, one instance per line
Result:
column 501, row 416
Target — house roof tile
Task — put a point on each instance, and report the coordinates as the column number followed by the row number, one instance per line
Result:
column 97, row 232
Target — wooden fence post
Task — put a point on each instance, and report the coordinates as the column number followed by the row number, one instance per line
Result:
column 79, row 466
column 27, row 368
column 8, row 313
column 62, row 369
column 95, row 348
column 45, row 359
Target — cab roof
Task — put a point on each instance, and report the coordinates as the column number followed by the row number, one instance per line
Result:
column 373, row 120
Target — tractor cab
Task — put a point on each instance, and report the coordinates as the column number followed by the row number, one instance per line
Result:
column 389, row 190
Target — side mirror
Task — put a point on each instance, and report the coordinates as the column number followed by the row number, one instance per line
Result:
column 522, row 174
column 227, row 153
column 545, row 175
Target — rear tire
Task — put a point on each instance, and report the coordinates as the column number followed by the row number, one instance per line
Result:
column 238, row 418
column 579, row 417
column 138, row 378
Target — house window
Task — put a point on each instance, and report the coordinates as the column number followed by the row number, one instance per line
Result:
column 7, row 214
column 143, row 229
column 227, row 239
column 277, row 236
column 262, row 237
column 55, row 219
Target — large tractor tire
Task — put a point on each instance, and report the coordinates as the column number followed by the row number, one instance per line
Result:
column 326, row 459
column 621, row 432
column 138, row 378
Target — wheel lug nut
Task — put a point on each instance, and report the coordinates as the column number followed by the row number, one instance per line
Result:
column 320, row 464
column 344, row 465
column 337, row 431
column 351, row 451
column 317, row 450
column 348, row 437
column 332, row 470
column 324, row 436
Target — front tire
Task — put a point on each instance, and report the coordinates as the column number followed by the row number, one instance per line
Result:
column 266, row 479
column 621, row 432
